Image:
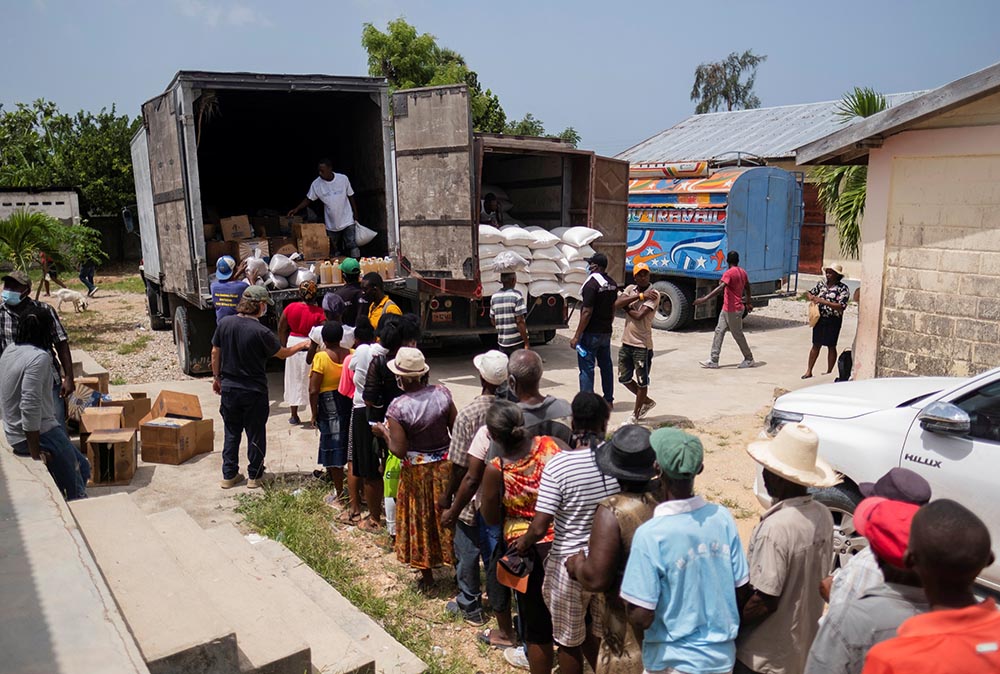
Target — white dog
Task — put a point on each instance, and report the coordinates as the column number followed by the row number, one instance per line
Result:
column 67, row 295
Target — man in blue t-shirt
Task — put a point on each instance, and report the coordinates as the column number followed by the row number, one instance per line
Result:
column 225, row 293
column 685, row 570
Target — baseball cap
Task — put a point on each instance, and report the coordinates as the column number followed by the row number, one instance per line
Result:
column 20, row 277
column 224, row 267
column 886, row 525
column 258, row 294
column 679, row 454
column 899, row 484
column 642, row 266
column 600, row 259
column 492, row 366
column 350, row 266
column 334, row 304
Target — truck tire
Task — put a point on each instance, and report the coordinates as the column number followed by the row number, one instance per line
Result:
column 841, row 500
column 193, row 330
column 153, row 306
column 675, row 309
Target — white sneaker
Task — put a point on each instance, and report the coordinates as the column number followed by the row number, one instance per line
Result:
column 745, row 364
column 630, row 421
column 709, row 364
column 516, row 657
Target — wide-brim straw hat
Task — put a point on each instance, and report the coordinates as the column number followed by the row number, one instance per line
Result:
column 793, row 454
column 409, row 362
column 837, row 269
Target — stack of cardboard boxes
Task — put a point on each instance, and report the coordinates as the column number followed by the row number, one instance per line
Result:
column 171, row 430
column 243, row 235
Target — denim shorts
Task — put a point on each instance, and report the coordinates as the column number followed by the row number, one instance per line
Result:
column 332, row 450
column 634, row 360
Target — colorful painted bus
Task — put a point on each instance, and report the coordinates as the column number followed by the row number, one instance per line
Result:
column 684, row 218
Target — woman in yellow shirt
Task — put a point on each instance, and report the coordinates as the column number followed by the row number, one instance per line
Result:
column 324, row 379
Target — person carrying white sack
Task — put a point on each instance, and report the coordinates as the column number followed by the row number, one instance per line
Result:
column 339, row 209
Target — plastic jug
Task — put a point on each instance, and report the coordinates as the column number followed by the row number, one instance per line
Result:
column 326, row 273
column 338, row 277
column 390, row 267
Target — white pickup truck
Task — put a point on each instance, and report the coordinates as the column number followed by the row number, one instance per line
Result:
column 946, row 429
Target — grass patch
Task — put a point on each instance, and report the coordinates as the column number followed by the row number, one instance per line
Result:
column 302, row 524
column 128, row 284
column 135, row 346
column 118, row 381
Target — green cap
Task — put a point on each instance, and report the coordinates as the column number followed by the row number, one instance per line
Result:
column 678, row 453
column 350, row 266
column 258, row 294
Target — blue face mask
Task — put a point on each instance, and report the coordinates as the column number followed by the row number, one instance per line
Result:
column 11, row 297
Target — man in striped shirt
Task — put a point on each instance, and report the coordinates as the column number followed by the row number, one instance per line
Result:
column 507, row 311
column 572, row 485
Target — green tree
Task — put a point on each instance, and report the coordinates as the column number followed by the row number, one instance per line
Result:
column 42, row 147
column 843, row 189
column 410, row 59
column 727, row 84
column 24, row 234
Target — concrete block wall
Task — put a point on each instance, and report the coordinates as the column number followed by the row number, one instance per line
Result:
column 940, row 311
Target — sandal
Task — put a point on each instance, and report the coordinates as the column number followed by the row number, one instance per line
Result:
column 370, row 525
column 349, row 518
column 488, row 639
column 322, row 475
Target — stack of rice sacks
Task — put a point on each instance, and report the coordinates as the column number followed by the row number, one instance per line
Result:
column 555, row 261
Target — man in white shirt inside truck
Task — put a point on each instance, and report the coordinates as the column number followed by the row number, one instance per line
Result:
column 339, row 209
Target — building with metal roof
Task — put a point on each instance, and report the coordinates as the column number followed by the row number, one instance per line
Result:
column 772, row 134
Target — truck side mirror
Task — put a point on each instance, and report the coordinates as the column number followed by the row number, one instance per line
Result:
column 945, row 419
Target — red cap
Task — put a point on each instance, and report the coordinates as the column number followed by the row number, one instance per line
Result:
column 886, row 525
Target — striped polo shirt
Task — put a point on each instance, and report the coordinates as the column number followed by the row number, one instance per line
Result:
column 505, row 307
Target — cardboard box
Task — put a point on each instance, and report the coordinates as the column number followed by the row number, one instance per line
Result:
column 308, row 230
column 100, row 382
column 282, row 245
column 236, row 227
column 285, row 224
column 174, row 441
column 93, row 419
column 133, row 409
column 312, row 240
column 174, row 430
column 248, row 248
column 266, row 225
column 216, row 249
column 112, row 456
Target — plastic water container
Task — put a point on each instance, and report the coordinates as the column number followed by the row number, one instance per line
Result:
column 338, row 276
column 326, row 272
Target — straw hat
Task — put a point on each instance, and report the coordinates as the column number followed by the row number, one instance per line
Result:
column 792, row 454
column 409, row 362
column 837, row 269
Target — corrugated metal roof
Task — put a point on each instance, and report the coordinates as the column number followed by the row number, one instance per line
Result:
column 771, row 133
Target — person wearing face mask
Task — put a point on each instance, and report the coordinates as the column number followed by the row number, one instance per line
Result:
column 16, row 302
column 241, row 346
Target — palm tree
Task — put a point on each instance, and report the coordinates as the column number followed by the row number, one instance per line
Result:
column 842, row 189
column 24, row 234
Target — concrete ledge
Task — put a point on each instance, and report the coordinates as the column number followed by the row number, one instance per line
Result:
column 391, row 657
column 247, row 602
column 57, row 615
column 177, row 630
column 333, row 650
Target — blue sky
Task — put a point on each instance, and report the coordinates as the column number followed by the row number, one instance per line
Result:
column 617, row 72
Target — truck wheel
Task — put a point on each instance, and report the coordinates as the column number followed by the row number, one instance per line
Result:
column 153, row 306
column 675, row 309
column 841, row 500
column 193, row 329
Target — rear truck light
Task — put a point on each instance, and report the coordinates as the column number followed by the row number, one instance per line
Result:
column 435, row 304
column 551, row 301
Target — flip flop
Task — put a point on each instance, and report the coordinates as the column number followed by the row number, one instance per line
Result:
column 487, row 638
column 349, row 518
column 322, row 475
column 366, row 524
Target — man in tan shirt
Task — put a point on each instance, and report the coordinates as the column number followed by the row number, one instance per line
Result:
column 640, row 303
column 790, row 552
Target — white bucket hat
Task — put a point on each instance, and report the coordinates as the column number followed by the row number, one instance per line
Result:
column 492, row 366
column 792, row 454
column 837, row 269
column 409, row 362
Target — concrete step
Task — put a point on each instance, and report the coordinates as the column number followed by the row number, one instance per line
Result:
column 267, row 646
column 177, row 630
column 57, row 615
column 333, row 650
column 391, row 657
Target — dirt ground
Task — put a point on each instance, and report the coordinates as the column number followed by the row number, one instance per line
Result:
column 724, row 407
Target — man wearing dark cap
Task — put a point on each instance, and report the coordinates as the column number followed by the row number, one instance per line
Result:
column 850, row 629
column 629, row 458
column 949, row 546
column 862, row 572
column 241, row 346
column 16, row 301
column 686, row 568
column 351, row 291
column 592, row 340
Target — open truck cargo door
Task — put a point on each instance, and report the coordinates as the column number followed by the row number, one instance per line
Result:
column 434, row 181
column 167, row 176
column 609, row 211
